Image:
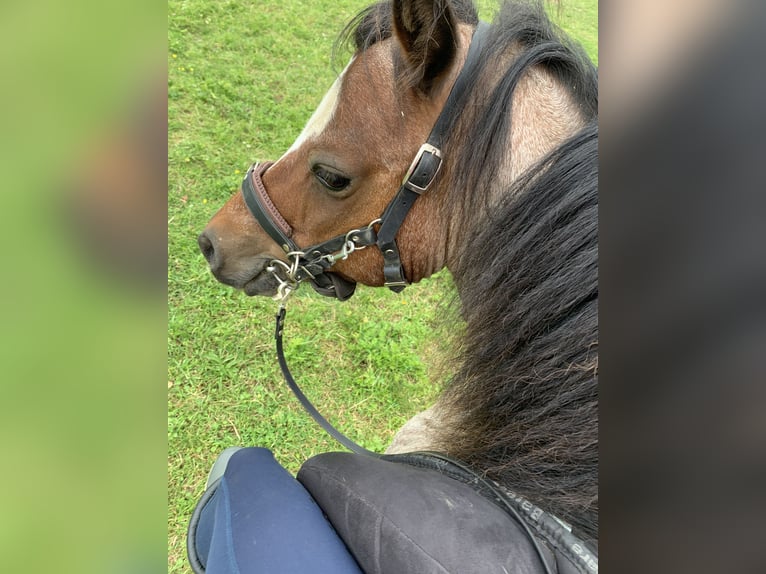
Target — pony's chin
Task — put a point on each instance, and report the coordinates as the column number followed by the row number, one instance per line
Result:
column 264, row 284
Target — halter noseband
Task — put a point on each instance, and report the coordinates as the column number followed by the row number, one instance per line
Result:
column 313, row 263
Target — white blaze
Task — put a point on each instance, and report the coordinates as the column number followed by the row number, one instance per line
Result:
column 323, row 114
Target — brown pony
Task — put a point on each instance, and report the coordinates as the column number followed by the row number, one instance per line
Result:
column 512, row 213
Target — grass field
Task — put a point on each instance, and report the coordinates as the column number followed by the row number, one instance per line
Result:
column 243, row 79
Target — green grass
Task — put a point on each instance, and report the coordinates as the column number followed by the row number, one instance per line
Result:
column 243, row 79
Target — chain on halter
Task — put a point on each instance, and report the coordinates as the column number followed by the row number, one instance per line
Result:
column 291, row 282
column 298, row 262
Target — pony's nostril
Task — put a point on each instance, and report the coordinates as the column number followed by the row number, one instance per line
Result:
column 206, row 246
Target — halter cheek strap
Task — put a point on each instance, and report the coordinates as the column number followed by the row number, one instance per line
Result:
column 418, row 179
column 423, row 170
column 313, row 263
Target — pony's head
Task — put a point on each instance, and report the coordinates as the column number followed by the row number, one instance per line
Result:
column 349, row 160
column 527, row 93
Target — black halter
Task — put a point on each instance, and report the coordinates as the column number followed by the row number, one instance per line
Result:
column 313, row 263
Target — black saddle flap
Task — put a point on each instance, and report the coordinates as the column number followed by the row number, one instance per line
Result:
column 396, row 518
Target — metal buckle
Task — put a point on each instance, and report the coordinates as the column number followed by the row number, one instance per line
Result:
column 425, row 148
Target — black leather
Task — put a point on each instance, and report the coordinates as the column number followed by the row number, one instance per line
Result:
column 338, row 287
column 399, row 519
column 424, row 172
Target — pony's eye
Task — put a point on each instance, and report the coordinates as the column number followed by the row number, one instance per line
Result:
column 330, row 179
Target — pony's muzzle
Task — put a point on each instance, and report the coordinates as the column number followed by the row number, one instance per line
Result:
column 224, row 262
column 239, row 266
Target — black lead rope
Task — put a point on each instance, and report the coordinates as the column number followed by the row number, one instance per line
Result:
column 310, row 408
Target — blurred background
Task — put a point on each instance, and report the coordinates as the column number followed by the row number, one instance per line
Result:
column 82, row 297
column 682, row 235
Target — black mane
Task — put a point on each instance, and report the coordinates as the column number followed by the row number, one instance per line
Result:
column 525, row 397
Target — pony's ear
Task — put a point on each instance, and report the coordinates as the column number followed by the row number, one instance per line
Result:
column 426, row 31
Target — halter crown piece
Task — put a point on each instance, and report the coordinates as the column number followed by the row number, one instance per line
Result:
column 313, row 263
